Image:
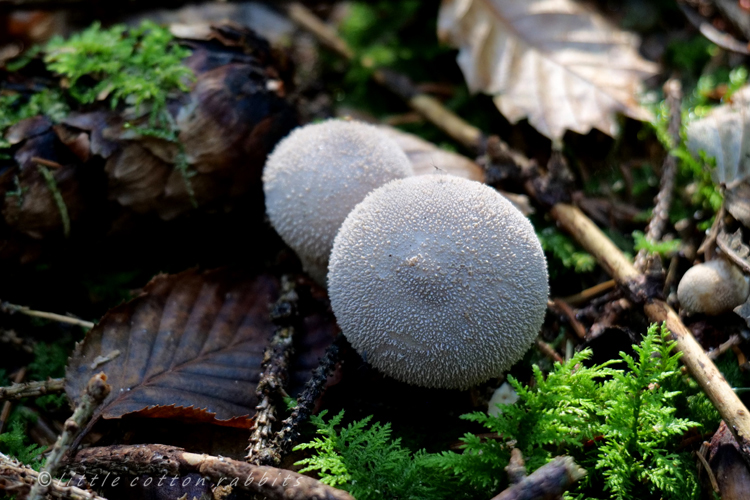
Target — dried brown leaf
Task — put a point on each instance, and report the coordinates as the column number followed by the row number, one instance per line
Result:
column 737, row 201
column 556, row 62
column 724, row 134
column 189, row 347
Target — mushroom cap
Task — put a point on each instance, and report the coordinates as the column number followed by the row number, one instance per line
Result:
column 438, row 281
column 712, row 288
column 316, row 176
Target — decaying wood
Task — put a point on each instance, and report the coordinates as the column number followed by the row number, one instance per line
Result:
column 32, row 389
column 546, row 483
column 160, row 460
column 586, row 233
column 17, row 479
column 96, row 390
column 274, row 372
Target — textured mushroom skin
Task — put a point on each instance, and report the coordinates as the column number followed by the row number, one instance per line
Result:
column 317, row 175
column 438, row 281
column 712, row 288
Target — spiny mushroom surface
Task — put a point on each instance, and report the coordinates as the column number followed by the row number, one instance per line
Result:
column 712, row 288
column 438, row 281
column 316, row 176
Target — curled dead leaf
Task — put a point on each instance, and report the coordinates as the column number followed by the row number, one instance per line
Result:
column 556, row 62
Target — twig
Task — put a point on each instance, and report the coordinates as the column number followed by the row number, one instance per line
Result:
column 723, row 40
column 703, row 464
column 32, row 389
column 608, row 255
column 516, row 468
column 156, row 459
column 586, row 295
column 287, row 437
column 548, row 481
column 660, row 215
column 696, row 360
column 11, row 308
column 563, row 308
column 274, row 370
column 725, row 346
column 5, row 413
column 96, row 390
column 17, row 480
column 548, row 351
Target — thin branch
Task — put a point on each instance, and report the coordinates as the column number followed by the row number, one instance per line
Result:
column 548, row 481
column 274, row 371
column 11, row 308
column 516, row 468
column 96, row 391
column 32, row 389
column 660, row 215
column 548, row 351
column 156, row 459
column 17, row 480
column 723, row 40
column 588, row 294
column 287, row 437
column 5, row 413
column 563, row 308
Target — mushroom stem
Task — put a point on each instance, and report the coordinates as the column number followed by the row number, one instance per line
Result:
column 696, row 360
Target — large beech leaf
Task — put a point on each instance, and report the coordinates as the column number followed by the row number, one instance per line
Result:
column 724, row 134
column 554, row 61
column 189, row 347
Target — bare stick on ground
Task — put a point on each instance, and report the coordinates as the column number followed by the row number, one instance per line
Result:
column 274, row 372
column 660, row 215
column 548, row 481
column 5, row 413
column 287, row 437
column 548, row 351
column 155, row 459
column 516, row 468
column 17, row 479
column 32, row 389
column 12, row 308
column 96, row 390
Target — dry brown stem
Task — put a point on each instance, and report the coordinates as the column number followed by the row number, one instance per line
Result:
column 588, row 294
column 11, row 308
column 274, row 370
column 96, row 390
column 660, row 215
column 17, row 479
column 32, row 389
column 548, row 351
column 156, row 459
column 547, row 482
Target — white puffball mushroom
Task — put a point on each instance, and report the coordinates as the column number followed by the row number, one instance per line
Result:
column 503, row 395
column 315, row 177
column 438, row 281
column 712, row 288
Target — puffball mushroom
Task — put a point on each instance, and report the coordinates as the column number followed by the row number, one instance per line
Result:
column 315, row 177
column 438, row 281
column 712, row 288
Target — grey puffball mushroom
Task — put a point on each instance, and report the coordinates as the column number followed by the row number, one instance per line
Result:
column 712, row 288
column 438, row 281
column 316, row 176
